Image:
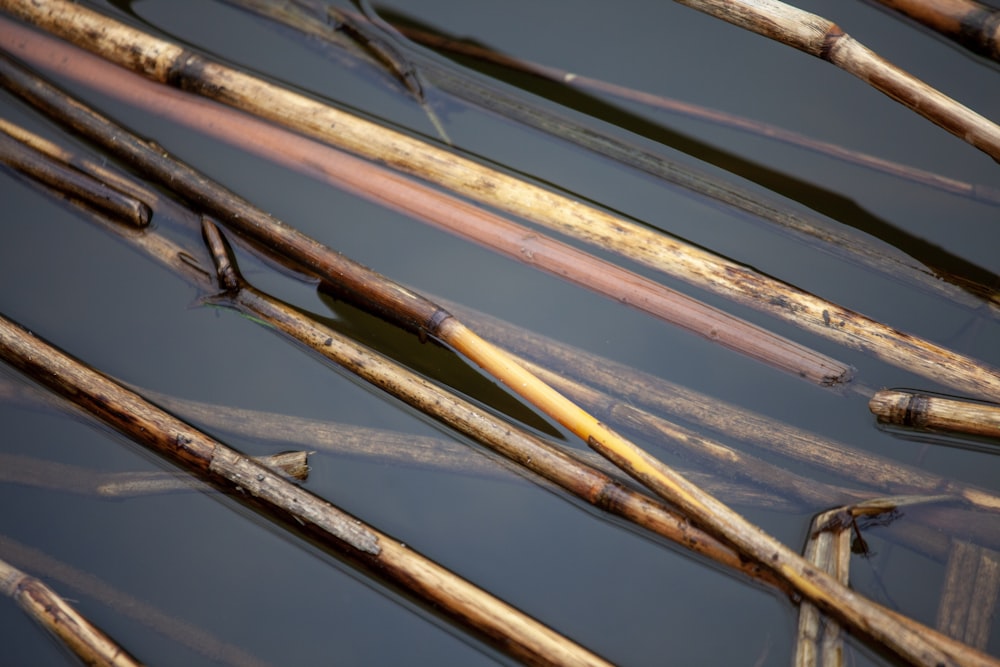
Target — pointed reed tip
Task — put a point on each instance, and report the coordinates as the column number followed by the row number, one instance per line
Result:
column 226, row 272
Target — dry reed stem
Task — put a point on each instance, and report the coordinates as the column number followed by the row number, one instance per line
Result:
column 865, row 618
column 972, row 24
column 969, row 594
column 89, row 644
column 596, row 489
column 835, row 240
column 74, row 479
column 517, row 445
column 819, row 641
column 438, row 42
column 637, row 388
column 475, row 224
column 824, row 39
column 73, row 183
column 169, row 63
column 492, row 620
column 935, row 413
column 85, row 583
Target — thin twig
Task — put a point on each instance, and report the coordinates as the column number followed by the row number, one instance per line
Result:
column 166, row 62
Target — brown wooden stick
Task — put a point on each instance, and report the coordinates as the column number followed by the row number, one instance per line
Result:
column 967, row 22
column 492, row 620
column 88, row 643
column 824, row 39
column 828, row 549
column 939, row 414
column 166, row 62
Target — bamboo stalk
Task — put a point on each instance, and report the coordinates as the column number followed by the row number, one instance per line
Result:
column 824, row 39
column 909, row 173
column 972, row 24
column 72, row 183
column 88, row 643
column 940, row 414
column 803, row 225
column 85, row 583
column 166, row 62
column 490, row 619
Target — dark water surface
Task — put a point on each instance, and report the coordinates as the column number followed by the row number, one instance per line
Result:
column 633, row 599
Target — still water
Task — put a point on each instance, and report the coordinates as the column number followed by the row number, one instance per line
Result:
column 631, row 598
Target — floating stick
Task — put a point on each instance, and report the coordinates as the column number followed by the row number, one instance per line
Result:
column 128, row 413
column 72, row 183
column 983, row 193
column 936, row 413
column 859, row 614
column 166, row 62
column 824, row 39
column 972, row 24
column 91, row 645
column 85, row 583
